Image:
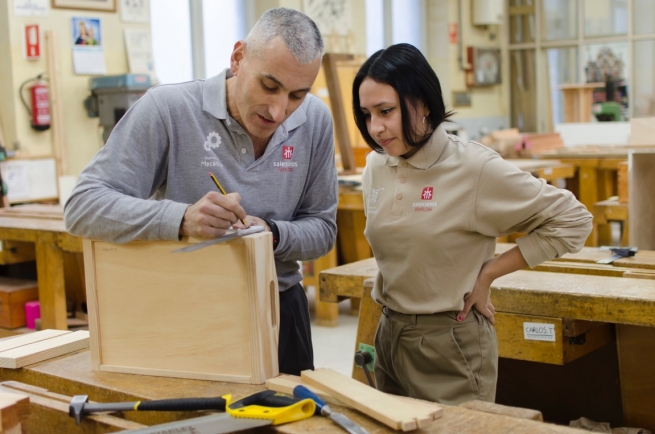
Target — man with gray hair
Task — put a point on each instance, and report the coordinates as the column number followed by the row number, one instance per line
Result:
column 267, row 140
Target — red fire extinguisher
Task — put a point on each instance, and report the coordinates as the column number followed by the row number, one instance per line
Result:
column 39, row 113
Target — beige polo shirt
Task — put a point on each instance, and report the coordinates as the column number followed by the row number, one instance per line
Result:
column 433, row 219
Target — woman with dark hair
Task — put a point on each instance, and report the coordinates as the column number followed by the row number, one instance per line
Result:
column 434, row 206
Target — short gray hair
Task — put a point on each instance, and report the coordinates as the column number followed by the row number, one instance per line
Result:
column 297, row 30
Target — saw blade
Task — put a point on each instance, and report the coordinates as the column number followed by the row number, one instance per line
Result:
column 214, row 424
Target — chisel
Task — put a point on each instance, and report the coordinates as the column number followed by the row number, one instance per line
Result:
column 323, row 409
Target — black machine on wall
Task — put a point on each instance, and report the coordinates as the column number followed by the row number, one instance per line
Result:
column 112, row 95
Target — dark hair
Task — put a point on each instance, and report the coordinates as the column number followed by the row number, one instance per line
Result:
column 403, row 67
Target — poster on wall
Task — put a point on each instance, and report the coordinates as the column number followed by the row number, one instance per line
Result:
column 330, row 16
column 139, row 51
column 135, row 11
column 88, row 52
column 33, row 8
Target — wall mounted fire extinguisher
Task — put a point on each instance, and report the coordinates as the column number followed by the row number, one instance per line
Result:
column 39, row 113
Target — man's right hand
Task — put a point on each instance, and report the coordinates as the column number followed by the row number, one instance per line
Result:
column 212, row 215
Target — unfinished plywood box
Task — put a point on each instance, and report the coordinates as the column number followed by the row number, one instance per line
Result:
column 14, row 293
column 210, row 314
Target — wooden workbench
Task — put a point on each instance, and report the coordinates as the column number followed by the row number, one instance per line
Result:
column 52, row 243
column 71, row 375
column 626, row 302
column 596, row 170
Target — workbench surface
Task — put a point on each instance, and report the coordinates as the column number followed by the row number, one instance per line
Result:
column 72, row 374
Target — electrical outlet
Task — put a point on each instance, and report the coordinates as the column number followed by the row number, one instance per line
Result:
column 371, row 350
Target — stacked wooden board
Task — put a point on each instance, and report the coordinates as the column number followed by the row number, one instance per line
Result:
column 19, row 351
column 399, row 413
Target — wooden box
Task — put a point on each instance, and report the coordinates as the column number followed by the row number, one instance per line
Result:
column 573, row 338
column 210, row 314
column 14, row 293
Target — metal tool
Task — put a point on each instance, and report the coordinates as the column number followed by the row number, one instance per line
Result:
column 229, row 236
column 618, row 253
column 213, row 424
column 80, row 406
column 260, row 409
column 363, row 358
column 323, row 409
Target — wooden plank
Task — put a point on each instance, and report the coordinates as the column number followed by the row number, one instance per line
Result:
column 642, row 199
column 378, row 405
column 286, row 384
column 92, row 304
column 490, row 407
column 327, row 314
column 14, row 410
column 55, row 212
column 30, row 338
column 338, row 110
column 43, row 350
column 56, row 103
column 48, row 413
column 623, row 182
column 52, row 289
column 264, row 307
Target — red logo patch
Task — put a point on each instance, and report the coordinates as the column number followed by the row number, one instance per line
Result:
column 287, row 152
column 427, row 193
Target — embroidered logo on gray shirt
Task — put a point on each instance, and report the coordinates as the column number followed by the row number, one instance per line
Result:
column 213, row 141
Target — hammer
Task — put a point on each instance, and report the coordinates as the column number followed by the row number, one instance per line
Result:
column 80, row 407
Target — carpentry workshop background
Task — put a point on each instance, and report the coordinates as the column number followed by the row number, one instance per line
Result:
column 563, row 89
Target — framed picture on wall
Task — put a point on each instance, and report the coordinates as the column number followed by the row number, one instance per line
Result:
column 90, row 5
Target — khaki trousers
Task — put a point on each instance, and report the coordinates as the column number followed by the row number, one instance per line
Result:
column 436, row 358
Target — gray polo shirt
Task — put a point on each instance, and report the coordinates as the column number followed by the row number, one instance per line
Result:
column 156, row 163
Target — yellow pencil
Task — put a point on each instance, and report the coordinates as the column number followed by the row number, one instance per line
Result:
column 220, row 187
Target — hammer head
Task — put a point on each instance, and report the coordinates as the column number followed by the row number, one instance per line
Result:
column 76, row 407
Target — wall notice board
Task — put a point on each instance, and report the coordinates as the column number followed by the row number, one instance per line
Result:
column 30, row 180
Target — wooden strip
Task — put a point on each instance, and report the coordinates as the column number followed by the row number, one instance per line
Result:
column 263, row 306
column 56, row 104
column 490, row 407
column 92, row 303
column 378, row 405
column 46, row 407
column 14, row 409
column 30, row 338
column 286, row 384
column 338, row 110
column 43, row 350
